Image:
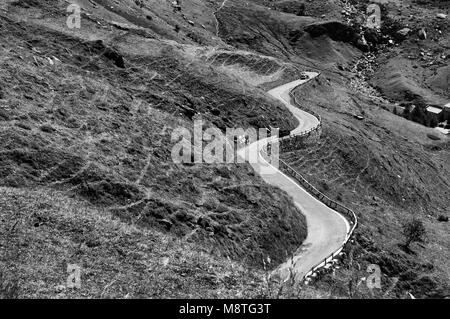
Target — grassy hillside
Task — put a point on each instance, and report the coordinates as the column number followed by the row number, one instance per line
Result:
column 90, row 122
column 387, row 170
column 86, row 116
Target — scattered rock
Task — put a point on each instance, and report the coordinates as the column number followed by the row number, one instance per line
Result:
column 166, row 223
column 441, row 16
column 404, row 32
column 422, row 34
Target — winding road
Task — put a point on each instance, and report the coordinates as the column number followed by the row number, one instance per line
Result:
column 327, row 229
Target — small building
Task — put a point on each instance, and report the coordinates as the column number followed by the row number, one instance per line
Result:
column 446, row 114
column 435, row 113
column 446, row 108
column 434, row 110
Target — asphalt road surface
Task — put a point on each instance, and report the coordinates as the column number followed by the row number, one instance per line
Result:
column 327, row 228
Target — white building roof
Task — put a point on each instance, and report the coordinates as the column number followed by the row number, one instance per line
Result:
column 447, row 106
column 434, row 110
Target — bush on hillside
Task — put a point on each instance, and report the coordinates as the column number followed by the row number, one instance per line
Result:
column 414, row 231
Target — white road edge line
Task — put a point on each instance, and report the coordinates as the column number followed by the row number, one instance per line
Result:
column 259, row 145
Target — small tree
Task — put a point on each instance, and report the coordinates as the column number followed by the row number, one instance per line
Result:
column 414, row 231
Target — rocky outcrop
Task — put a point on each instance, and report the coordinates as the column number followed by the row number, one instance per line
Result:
column 338, row 31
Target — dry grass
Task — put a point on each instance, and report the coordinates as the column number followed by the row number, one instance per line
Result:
column 387, row 170
column 118, row 260
column 87, row 177
column 86, row 149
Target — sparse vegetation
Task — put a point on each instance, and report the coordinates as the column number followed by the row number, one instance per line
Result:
column 414, row 231
column 86, row 175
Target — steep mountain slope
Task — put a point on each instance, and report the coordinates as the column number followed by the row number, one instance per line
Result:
column 87, row 177
column 305, row 40
column 92, row 120
column 387, row 170
column 384, row 167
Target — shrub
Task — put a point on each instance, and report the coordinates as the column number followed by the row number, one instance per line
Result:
column 414, row 231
